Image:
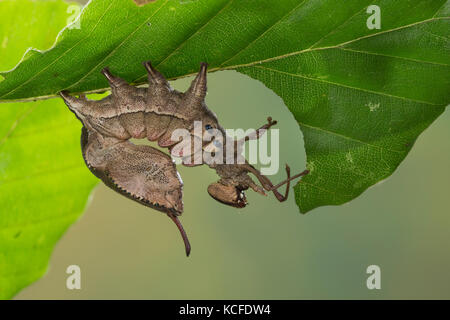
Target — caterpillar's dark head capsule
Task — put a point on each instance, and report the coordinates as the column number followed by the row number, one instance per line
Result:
column 228, row 194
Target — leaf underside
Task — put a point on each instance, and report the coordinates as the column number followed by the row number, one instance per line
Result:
column 361, row 97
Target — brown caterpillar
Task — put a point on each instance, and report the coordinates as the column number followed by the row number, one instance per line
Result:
column 145, row 174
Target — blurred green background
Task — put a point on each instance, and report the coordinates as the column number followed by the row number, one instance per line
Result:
column 267, row 250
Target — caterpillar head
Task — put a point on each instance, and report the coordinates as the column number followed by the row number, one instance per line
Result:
column 231, row 195
column 235, row 179
column 200, row 122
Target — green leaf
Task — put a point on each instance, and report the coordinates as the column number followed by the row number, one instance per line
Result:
column 360, row 96
column 44, row 184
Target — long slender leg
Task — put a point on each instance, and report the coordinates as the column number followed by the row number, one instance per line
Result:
column 258, row 132
column 268, row 185
column 304, row 173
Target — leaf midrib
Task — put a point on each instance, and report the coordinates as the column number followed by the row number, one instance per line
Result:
column 232, row 67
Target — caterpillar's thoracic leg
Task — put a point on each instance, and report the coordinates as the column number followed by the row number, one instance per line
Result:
column 268, row 185
column 255, row 135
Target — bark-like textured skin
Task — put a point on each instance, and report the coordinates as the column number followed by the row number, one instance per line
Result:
column 141, row 173
column 145, row 174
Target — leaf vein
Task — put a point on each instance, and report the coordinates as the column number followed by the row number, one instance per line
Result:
column 393, row 56
column 327, row 131
column 117, row 47
column 349, row 87
column 193, row 34
column 264, row 33
column 65, row 52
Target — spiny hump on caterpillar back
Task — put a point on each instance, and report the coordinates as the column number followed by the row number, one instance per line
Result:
column 192, row 108
column 129, row 103
column 152, row 113
column 161, row 105
column 167, row 110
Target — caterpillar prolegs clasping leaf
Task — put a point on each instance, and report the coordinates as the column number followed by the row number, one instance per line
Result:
column 147, row 175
